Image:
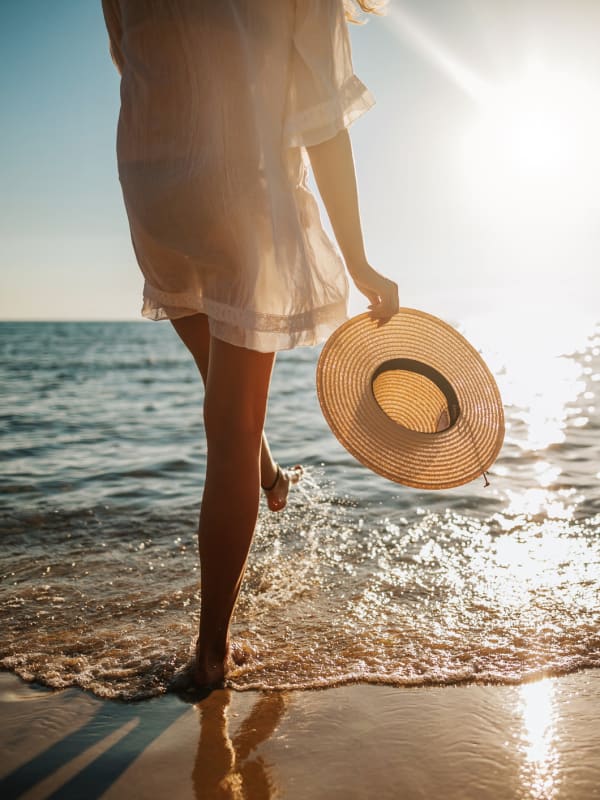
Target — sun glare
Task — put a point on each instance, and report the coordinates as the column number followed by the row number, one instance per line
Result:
column 532, row 124
column 535, row 373
column 529, row 150
column 541, row 122
column 539, row 733
column 520, row 166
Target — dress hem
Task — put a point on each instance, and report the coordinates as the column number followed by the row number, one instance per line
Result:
column 265, row 333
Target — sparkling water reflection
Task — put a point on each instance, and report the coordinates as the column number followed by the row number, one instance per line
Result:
column 102, row 456
column 541, row 766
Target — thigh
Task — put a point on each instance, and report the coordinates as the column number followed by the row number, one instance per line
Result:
column 194, row 333
column 237, row 388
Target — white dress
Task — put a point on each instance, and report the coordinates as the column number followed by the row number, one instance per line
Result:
column 218, row 99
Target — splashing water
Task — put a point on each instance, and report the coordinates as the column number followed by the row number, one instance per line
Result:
column 358, row 579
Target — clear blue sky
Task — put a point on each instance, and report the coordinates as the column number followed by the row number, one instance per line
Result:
column 478, row 168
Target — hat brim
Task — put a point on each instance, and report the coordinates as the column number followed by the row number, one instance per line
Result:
column 433, row 460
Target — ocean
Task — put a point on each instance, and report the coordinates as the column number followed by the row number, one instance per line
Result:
column 101, row 465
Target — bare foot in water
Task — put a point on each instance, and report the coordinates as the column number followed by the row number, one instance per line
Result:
column 277, row 494
column 210, row 673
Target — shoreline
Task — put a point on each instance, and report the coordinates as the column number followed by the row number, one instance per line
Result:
column 538, row 739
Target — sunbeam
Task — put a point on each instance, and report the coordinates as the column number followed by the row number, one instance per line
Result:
column 413, row 31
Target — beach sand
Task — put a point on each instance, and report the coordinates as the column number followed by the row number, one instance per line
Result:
column 536, row 740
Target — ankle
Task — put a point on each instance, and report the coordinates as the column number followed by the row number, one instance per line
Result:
column 214, row 651
column 268, row 485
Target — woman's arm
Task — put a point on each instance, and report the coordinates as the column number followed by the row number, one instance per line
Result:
column 333, row 167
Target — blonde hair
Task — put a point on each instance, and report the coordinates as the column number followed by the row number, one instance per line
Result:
column 351, row 7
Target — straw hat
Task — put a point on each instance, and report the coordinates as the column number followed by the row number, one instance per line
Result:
column 411, row 399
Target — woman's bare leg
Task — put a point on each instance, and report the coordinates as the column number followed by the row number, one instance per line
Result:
column 235, row 405
column 194, row 333
column 226, row 527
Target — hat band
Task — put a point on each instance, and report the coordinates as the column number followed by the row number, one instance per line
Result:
column 427, row 371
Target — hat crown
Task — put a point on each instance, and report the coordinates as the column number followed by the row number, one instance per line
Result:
column 415, row 395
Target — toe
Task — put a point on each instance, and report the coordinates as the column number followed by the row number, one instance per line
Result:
column 295, row 473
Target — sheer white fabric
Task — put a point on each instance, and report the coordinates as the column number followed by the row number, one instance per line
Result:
column 218, row 98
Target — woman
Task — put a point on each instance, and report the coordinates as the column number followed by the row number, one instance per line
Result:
column 220, row 103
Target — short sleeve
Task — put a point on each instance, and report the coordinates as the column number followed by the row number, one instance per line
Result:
column 324, row 95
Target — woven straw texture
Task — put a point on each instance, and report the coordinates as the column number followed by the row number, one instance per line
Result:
column 399, row 423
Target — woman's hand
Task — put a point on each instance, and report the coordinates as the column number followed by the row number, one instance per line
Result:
column 381, row 292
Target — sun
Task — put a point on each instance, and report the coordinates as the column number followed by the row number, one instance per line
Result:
column 528, row 140
column 530, row 131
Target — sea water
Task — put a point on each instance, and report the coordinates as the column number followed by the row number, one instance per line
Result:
column 102, row 459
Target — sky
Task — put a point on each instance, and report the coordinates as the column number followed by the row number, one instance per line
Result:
column 478, row 168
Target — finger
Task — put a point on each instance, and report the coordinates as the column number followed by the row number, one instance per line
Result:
column 385, row 309
column 382, row 312
column 393, row 300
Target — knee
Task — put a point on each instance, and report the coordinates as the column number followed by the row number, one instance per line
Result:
column 235, row 402
column 227, row 426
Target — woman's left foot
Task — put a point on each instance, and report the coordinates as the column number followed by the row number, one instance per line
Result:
column 277, row 493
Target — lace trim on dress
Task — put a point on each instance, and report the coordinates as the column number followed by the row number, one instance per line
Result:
column 323, row 121
column 244, row 327
column 272, row 341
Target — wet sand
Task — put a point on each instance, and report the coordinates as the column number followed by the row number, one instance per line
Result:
column 536, row 740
